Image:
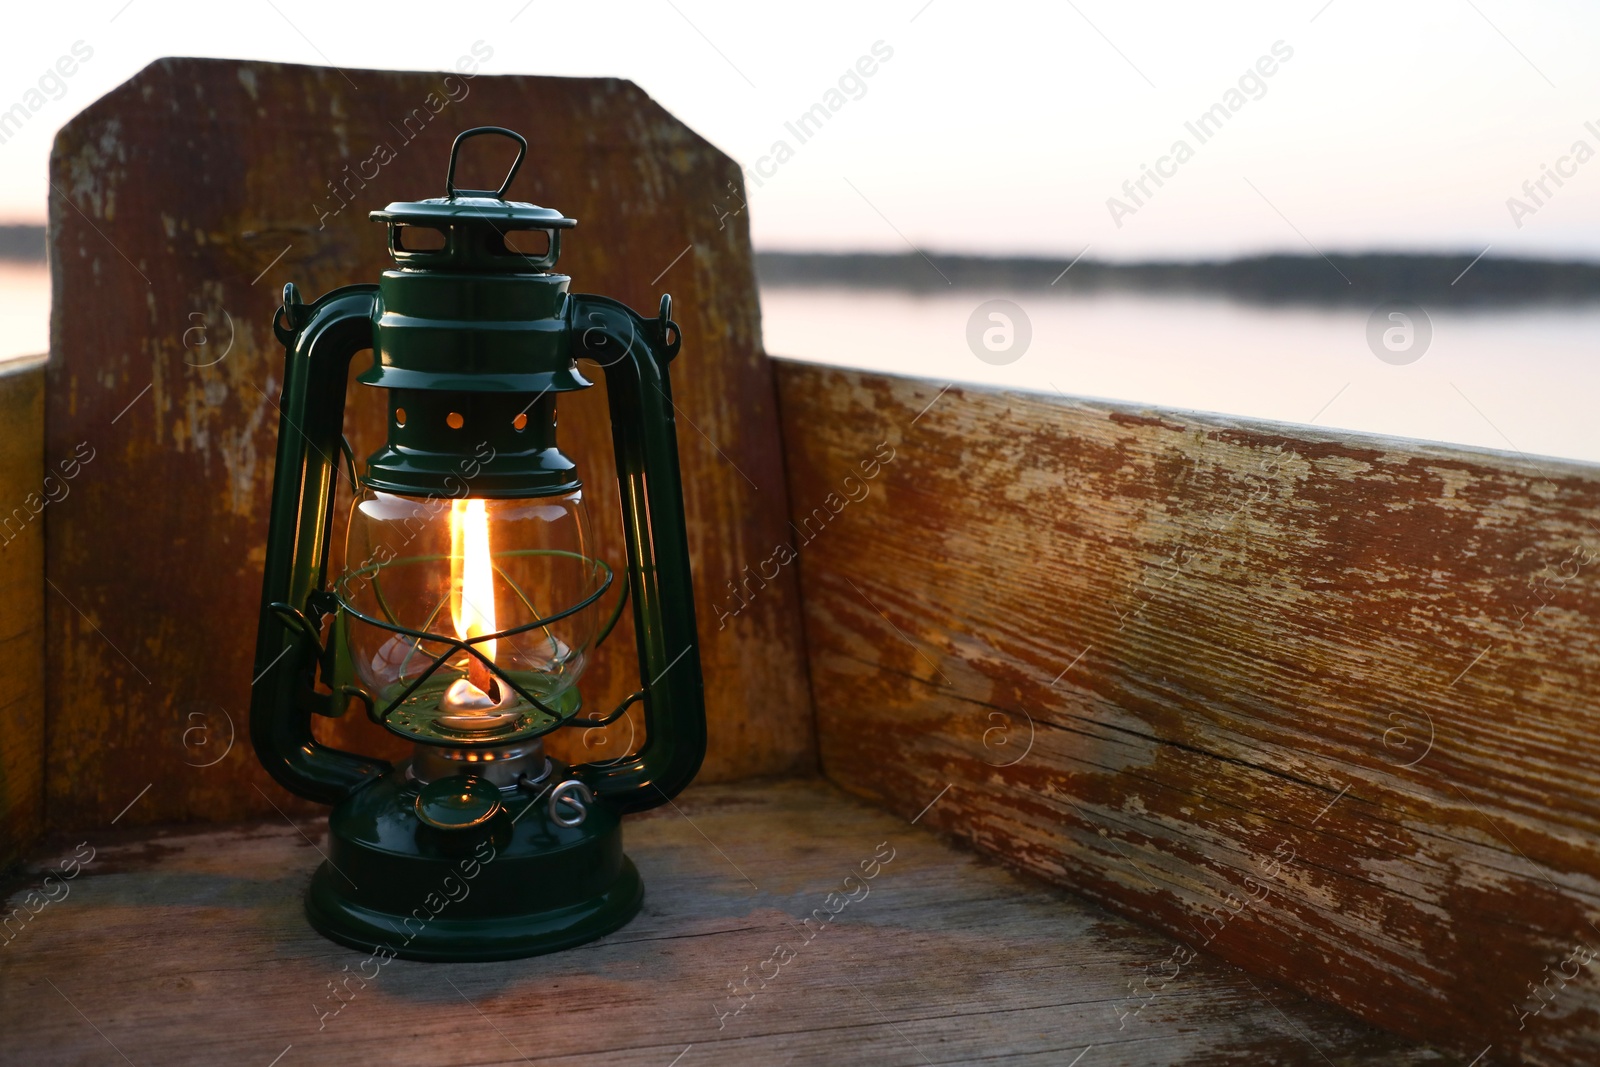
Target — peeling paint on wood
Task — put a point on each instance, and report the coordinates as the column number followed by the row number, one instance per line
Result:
column 24, row 497
column 182, row 203
column 1322, row 703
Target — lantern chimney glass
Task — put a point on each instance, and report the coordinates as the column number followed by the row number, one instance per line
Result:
column 514, row 581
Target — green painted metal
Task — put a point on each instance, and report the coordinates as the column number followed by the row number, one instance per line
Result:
column 634, row 353
column 472, row 341
column 458, row 802
column 516, row 884
column 475, row 226
column 473, row 332
column 320, row 340
column 549, row 714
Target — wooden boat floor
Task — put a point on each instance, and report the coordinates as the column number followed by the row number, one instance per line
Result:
column 189, row 945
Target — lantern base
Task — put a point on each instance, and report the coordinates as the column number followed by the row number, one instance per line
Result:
column 519, row 885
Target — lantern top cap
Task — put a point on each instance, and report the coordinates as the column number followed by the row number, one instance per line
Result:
column 489, row 205
column 489, row 208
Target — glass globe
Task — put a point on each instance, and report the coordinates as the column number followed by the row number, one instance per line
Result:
column 422, row 571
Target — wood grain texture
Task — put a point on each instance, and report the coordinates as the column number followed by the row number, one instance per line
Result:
column 1324, row 703
column 191, row 947
column 182, row 202
column 24, row 498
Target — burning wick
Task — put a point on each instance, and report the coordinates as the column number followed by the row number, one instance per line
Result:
column 469, row 704
column 479, row 678
column 477, row 703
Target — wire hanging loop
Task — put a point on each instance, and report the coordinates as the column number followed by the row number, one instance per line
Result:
column 455, row 150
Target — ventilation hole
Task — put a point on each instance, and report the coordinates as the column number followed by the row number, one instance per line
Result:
column 531, row 244
column 399, row 416
column 520, row 423
column 418, row 239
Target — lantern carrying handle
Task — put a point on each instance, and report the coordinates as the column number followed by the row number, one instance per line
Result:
column 455, row 149
column 635, row 353
column 319, row 341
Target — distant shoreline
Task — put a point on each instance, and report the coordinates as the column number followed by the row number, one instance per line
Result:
column 22, row 244
column 1428, row 279
column 1365, row 280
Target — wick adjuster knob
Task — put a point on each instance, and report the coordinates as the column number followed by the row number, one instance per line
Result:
column 573, row 797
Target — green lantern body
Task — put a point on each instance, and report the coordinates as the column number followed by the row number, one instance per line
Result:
column 443, row 627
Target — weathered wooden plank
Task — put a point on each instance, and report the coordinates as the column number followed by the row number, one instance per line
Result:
column 1324, row 703
column 181, row 204
column 190, row 947
column 25, row 494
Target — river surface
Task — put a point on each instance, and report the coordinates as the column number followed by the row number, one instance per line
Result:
column 24, row 310
column 1517, row 381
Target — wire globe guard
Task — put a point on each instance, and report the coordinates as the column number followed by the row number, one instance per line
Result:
column 400, row 714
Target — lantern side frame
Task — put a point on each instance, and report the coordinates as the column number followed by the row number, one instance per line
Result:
column 320, row 340
column 634, row 352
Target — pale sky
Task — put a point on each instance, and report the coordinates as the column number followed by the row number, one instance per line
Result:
column 995, row 127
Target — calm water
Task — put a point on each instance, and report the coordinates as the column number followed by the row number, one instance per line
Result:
column 1523, row 381
column 24, row 310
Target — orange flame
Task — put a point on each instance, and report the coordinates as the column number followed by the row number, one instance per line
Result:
column 471, row 575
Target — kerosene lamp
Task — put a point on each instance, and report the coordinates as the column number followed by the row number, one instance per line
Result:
column 471, row 596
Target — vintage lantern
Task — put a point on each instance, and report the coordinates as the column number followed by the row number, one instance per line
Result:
column 471, row 597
